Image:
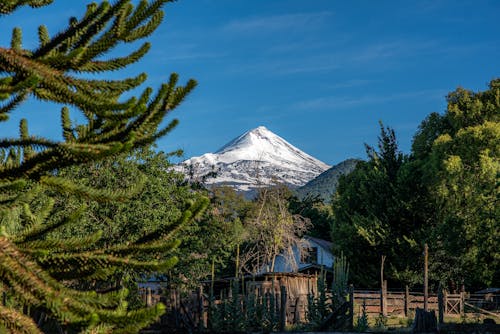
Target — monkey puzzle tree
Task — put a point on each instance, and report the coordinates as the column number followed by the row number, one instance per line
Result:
column 37, row 270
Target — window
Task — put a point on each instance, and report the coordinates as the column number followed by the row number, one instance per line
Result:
column 309, row 255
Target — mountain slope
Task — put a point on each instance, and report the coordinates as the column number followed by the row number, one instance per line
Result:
column 325, row 184
column 256, row 158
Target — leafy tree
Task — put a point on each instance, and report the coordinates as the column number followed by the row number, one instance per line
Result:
column 372, row 216
column 214, row 238
column 162, row 197
column 36, row 269
column 317, row 212
column 159, row 203
column 463, row 169
column 164, row 194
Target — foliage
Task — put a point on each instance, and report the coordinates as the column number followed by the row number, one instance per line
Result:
column 160, row 201
column 318, row 213
column 362, row 320
column 318, row 306
column 214, row 237
column 329, row 300
column 445, row 193
column 37, row 268
column 165, row 194
column 163, row 197
column 381, row 322
column 272, row 231
column 340, row 288
column 464, row 169
column 372, row 215
column 244, row 312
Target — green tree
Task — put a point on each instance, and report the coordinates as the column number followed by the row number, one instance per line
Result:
column 445, row 193
column 463, row 169
column 214, row 238
column 316, row 211
column 36, row 270
column 373, row 217
column 160, row 202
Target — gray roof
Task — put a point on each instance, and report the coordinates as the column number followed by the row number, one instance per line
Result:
column 325, row 244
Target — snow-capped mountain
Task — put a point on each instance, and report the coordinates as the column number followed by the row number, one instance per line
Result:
column 256, row 158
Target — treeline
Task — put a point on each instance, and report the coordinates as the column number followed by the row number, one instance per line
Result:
column 234, row 235
column 445, row 193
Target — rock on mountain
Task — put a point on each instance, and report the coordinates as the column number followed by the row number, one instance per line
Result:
column 325, row 184
column 255, row 159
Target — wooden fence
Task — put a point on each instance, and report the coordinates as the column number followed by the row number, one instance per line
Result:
column 190, row 311
column 400, row 303
column 404, row 303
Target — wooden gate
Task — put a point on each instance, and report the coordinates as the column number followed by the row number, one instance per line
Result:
column 453, row 304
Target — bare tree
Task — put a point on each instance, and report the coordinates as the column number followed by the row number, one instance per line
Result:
column 273, row 231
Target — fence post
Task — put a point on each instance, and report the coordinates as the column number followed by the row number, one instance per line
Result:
column 383, row 299
column 407, row 301
column 440, row 306
column 149, row 297
column 283, row 308
column 462, row 299
column 201, row 319
column 445, row 301
column 351, row 307
column 426, row 278
column 296, row 314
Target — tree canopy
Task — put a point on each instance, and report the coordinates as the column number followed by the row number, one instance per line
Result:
column 36, row 267
column 444, row 193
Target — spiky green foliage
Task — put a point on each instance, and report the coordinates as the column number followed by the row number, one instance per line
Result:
column 244, row 312
column 8, row 6
column 318, row 305
column 37, row 269
column 47, row 73
column 340, row 279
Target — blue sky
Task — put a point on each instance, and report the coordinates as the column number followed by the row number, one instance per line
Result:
column 320, row 73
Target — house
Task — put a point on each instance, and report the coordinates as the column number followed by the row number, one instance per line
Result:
column 310, row 257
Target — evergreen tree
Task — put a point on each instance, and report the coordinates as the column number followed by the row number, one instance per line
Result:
column 373, row 217
column 37, row 269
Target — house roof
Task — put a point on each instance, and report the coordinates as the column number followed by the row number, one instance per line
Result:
column 314, row 267
column 488, row 290
column 325, row 244
column 258, row 277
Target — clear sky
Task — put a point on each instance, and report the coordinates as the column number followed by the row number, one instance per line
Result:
column 320, row 74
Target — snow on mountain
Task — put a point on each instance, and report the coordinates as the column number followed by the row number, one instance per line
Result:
column 256, row 158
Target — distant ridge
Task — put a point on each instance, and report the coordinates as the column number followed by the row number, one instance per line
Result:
column 325, row 184
column 255, row 159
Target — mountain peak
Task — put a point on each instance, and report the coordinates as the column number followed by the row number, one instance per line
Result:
column 260, row 128
column 256, row 138
column 257, row 158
